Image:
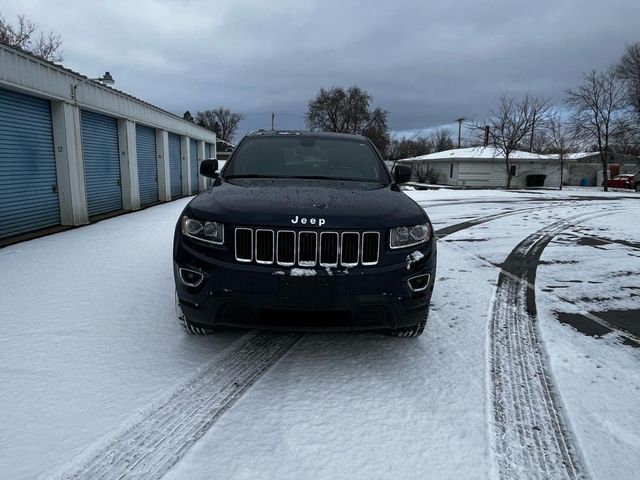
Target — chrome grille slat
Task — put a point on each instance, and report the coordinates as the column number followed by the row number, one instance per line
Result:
column 370, row 248
column 350, row 249
column 307, row 248
column 286, row 248
column 265, row 246
column 244, row 244
column 329, row 250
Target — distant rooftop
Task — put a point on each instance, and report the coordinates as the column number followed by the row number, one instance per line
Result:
column 491, row 153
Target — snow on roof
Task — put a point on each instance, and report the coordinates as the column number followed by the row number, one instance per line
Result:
column 491, row 153
column 573, row 156
column 61, row 67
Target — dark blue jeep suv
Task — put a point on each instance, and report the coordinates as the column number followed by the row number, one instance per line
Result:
column 304, row 231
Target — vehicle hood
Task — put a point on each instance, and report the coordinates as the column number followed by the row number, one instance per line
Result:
column 278, row 202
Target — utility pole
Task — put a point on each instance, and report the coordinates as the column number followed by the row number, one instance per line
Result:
column 273, row 120
column 533, row 127
column 459, row 120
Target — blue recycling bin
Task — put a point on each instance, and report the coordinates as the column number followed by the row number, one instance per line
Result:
column 584, row 182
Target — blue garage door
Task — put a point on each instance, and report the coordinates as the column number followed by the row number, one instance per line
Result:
column 101, row 163
column 147, row 165
column 175, row 168
column 28, row 198
column 193, row 152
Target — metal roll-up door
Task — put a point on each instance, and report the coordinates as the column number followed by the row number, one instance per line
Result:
column 193, row 152
column 147, row 164
column 175, row 168
column 28, row 198
column 101, row 163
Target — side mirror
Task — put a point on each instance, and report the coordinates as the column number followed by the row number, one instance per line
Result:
column 208, row 168
column 401, row 173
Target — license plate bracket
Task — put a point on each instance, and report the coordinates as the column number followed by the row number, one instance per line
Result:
column 311, row 291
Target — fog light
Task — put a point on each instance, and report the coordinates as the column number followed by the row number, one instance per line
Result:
column 190, row 278
column 419, row 282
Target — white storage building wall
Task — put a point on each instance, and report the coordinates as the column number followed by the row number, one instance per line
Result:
column 92, row 151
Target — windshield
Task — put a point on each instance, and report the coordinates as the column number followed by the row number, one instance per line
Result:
column 295, row 157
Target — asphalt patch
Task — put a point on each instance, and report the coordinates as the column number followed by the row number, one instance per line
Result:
column 468, row 240
column 626, row 320
column 591, row 241
column 595, row 241
column 583, row 324
column 558, row 262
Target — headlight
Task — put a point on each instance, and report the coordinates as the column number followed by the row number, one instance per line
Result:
column 408, row 236
column 205, row 231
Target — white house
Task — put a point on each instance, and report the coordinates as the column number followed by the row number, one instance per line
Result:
column 486, row 167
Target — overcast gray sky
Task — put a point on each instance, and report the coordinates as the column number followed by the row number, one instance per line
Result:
column 427, row 63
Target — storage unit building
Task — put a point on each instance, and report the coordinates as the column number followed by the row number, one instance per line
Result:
column 72, row 148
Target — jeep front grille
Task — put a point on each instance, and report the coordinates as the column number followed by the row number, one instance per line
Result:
column 244, row 244
column 288, row 248
column 307, row 249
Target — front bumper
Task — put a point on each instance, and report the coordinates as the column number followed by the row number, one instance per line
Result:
column 266, row 296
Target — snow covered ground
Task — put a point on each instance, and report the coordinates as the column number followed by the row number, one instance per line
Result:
column 92, row 354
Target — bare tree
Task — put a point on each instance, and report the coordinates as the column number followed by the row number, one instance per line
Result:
column 629, row 71
column 511, row 123
column 600, row 112
column 562, row 140
column 377, row 130
column 409, row 147
column 220, row 120
column 540, row 111
column 424, row 173
column 25, row 35
column 348, row 111
column 188, row 117
column 627, row 142
column 441, row 140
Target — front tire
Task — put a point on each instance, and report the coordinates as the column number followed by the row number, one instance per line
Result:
column 189, row 327
column 411, row 332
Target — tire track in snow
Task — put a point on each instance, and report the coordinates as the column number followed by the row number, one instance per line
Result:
column 150, row 447
column 430, row 203
column 450, row 229
column 531, row 439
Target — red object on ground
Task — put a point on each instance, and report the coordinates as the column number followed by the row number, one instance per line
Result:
column 624, row 181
